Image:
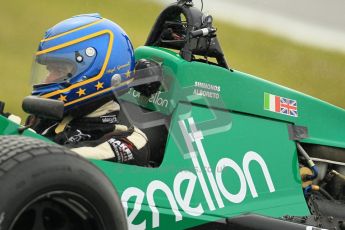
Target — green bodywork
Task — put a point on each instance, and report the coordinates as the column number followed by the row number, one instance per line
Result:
column 244, row 93
column 225, row 154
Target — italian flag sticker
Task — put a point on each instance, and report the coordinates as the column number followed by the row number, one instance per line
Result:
column 272, row 103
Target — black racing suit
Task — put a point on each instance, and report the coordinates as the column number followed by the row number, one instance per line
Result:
column 99, row 135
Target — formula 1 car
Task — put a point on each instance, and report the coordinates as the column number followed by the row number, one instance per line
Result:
column 228, row 150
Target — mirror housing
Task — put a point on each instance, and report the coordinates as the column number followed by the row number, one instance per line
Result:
column 43, row 107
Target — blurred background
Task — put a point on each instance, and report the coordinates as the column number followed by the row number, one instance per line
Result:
column 299, row 44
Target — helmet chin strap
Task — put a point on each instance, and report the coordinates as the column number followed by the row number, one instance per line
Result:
column 62, row 125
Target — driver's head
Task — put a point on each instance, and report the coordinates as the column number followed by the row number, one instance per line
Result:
column 58, row 72
column 77, row 59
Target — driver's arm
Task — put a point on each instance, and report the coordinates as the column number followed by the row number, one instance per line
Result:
column 131, row 149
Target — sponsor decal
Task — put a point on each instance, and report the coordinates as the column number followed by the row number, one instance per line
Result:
column 280, row 105
column 206, row 90
column 156, row 98
column 111, row 119
column 121, row 150
column 215, row 192
column 78, row 137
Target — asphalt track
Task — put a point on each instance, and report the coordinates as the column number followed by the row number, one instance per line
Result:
column 314, row 22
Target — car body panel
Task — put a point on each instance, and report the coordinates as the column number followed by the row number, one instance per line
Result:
column 209, row 179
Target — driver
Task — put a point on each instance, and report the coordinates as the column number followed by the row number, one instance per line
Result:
column 57, row 71
column 75, row 63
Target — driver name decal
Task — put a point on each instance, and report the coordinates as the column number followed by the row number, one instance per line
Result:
column 206, row 90
column 213, row 187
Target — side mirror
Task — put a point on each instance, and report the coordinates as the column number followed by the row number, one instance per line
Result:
column 148, row 77
column 42, row 107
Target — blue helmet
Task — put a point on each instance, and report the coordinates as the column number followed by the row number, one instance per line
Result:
column 78, row 58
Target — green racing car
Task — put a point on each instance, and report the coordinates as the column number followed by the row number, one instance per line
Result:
column 228, row 150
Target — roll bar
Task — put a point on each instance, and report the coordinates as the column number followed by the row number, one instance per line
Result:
column 195, row 40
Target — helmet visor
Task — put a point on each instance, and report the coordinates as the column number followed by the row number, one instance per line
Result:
column 51, row 71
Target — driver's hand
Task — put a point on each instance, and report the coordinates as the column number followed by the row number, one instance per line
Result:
column 14, row 118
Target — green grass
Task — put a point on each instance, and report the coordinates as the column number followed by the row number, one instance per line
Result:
column 22, row 24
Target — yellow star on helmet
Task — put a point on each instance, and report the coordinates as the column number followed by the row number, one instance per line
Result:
column 62, row 98
column 99, row 85
column 81, row 92
column 128, row 73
